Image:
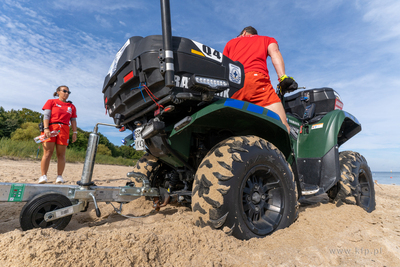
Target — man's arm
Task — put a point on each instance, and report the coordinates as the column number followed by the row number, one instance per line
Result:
column 277, row 59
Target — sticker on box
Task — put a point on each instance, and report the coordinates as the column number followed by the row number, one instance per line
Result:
column 317, row 126
column 338, row 104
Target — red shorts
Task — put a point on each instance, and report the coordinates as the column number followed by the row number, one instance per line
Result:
column 62, row 138
column 257, row 89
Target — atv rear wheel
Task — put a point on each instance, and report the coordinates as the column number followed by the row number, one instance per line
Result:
column 245, row 187
column 355, row 183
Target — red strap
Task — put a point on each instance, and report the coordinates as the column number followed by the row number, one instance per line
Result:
column 152, row 96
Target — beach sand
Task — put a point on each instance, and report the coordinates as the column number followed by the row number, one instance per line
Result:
column 323, row 235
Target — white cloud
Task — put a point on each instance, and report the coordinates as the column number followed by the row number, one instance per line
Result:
column 99, row 6
column 103, row 22
column 317, row 7
column 384, row 14
column 38, row 57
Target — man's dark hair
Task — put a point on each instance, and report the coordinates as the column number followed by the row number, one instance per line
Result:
column 250, row 30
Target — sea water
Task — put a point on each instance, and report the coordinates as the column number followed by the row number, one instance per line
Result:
column 386, row 177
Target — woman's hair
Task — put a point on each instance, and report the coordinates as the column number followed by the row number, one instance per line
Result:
column 58, row 89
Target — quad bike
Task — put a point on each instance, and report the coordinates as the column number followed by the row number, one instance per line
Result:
column 232, row 161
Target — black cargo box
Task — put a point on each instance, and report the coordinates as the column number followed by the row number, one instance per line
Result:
column 139, row 63
column 326, row 100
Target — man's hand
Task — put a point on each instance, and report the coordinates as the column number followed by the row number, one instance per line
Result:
column 287, row 84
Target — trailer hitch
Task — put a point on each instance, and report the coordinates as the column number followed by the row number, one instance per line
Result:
column 162, row 201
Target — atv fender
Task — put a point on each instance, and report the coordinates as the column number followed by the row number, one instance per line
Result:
column 335, row 128
column 239, row 117
column 317, row 148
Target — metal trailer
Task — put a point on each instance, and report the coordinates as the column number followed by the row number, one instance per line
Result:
column 53, row 205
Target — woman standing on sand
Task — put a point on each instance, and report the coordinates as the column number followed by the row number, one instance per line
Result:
column 58, row 113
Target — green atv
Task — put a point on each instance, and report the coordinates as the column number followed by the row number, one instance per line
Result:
column 232, row 161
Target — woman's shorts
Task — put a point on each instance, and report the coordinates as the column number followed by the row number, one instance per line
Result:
column 257, row 89
column 62, row 138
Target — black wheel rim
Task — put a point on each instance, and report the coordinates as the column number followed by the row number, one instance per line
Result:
column 262, row 200
column 364, row 190
column 37, row 217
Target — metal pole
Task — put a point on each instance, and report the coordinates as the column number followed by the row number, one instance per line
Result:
column 93, row 142
column 167, row 43
column 90, row 158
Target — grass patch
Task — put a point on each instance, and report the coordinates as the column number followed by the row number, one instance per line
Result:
column 31, row 150
column 103, row 159
column 18, row 149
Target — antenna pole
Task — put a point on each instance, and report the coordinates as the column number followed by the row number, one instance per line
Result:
column 167, row 43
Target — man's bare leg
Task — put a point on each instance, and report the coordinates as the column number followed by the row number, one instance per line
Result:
column 278, row 109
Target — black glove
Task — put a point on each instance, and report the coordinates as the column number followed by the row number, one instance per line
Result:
column 287, row 84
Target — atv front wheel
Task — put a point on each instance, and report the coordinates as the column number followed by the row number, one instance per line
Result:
column 245, row 187
column 355, row 183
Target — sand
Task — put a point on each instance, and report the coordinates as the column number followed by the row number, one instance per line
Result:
column 323, row 235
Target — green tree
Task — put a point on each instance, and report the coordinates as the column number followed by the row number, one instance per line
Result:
column 9, row 122
column 103, row 150
column 28, row 131
column 104, row 140
column 27, row 115
column 13, row 119
column 2, row 120
column 126, row 152
column 81, row 142
column 130, row 153
column 138, row 154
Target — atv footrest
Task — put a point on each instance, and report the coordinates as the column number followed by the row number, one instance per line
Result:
column 309, row 189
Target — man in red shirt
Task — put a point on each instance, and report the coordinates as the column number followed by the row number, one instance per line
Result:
column 252, row 51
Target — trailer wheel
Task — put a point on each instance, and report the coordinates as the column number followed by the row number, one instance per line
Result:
column 356, row 185
column 32, row 214
column 245, row 187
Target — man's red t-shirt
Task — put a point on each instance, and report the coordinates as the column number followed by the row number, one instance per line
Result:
column 251, row 51
column 60, row 111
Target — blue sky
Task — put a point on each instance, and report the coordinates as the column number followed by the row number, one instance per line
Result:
column 352, row 46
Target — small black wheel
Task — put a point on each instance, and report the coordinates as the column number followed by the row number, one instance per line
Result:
column 245, row 187
column 356, row 185
column 32, row 214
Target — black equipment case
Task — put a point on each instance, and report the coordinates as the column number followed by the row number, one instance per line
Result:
column 136, row 78
column 325, row 99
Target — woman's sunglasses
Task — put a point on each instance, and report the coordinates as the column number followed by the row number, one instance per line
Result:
column 65, row 91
